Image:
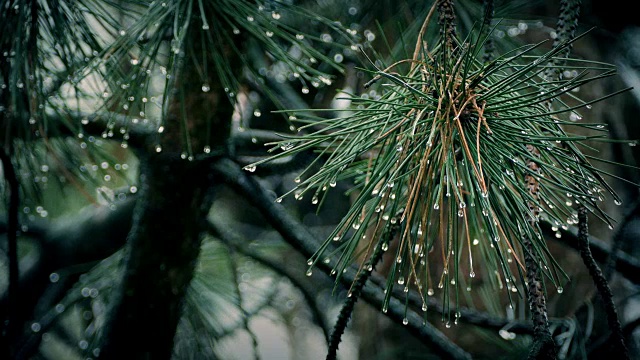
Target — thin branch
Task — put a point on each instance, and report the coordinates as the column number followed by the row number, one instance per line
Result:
column 603, row 287
column 356, row 289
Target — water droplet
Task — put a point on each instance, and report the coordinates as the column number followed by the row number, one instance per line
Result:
column 399, row 148
column 589, row 106
column 54, row 277
column 250, row 168
column 205, row 27
column 448, row 325
column 314, row 200
column 305, row 90
column 401, row 280
column 460, row 213
column 617, row 202
column 436, row 206
column 385, row 247
column 309, row 272
column 206, row 88
column 158, row 148
column 633, row 143
column 207, row 149
column 405, row 321
column 275, row 15
column 268, row 33
column 472, row 274
column 249, row 18
column 560, row 289
column 35, row 327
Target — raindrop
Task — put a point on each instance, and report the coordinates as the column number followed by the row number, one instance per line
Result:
column 158, row 148
column 275, row 15
column 436, row 206
column 309, row 272
column 54, row 277
column 309, row 262
column 385, row 247
column 205, row 27
column 460, row 213
column 35, row 327
column 617, row 202
column 405, row 321
column 250, row 168
column 305, row 90
column 430, row 292
column 250, row 18
column 206, row 87
column 133, row 189
column 399, row 148
column 257, row 113
column 207, row 149
column 472, row 274
column 401, row 280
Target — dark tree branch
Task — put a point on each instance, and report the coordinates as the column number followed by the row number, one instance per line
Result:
column 627, row 265
column 9, row 328
column 356, row 289
column 302, row 240
column 618, row 240
column 619, row 347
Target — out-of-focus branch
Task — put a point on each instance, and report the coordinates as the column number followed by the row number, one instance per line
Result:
column 302, row 283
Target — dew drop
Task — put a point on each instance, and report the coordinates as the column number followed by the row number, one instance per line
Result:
column 250, row 168
column 617, row 202
column 206, row 88
column 560, row 290
column 472, row 274
column 405, row 321
column 305, row 90
column 436, row 206
column 309, row 272
column 54, row 277
column 35, row 327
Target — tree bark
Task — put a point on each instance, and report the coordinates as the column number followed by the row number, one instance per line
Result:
column 162, row 250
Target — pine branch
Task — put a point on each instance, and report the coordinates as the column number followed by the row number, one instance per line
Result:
column 619, row 347
column 302, row 240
